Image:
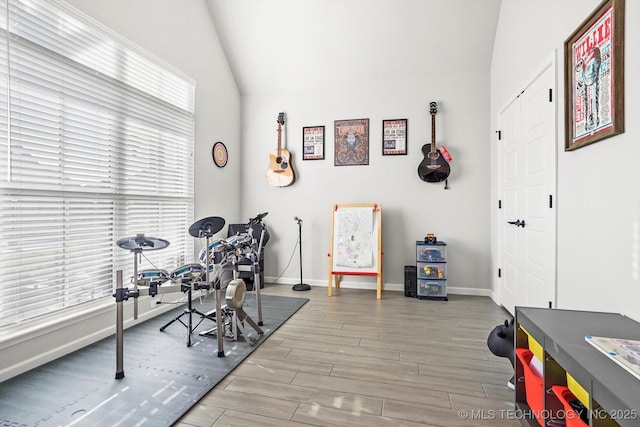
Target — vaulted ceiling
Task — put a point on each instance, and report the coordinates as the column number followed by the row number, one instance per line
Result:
column 303, row 45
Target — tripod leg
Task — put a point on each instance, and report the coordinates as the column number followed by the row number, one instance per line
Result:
column 162, row 328
column 203, row 317
column 176, row 319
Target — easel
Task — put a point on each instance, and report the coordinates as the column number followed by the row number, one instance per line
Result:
column 336, row 271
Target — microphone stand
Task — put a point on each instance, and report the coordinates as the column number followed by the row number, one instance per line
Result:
column 300, row 286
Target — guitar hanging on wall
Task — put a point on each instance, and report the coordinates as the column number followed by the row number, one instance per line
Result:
column 434, row 167
column 280, row 173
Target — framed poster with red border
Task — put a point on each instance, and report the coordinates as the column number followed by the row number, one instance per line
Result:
column 313, row 143
column 394, row 137
column 594, row 77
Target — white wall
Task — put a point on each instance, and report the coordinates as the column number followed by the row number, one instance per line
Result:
column 598, row 185
column 410, row 207
column 180, row 33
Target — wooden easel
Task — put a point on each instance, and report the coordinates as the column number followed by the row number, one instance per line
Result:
column 376, row 270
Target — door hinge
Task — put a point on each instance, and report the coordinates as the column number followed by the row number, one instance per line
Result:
column 499, row 204
column 499, row 272
column 550, row 95
column 499, row 132
column 550, row 201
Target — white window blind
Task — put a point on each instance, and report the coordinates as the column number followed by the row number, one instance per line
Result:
column 96, row 144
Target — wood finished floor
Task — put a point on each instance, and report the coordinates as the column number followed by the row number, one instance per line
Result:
column 353, row 360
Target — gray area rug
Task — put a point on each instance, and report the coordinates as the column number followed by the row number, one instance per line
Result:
column 163, row 377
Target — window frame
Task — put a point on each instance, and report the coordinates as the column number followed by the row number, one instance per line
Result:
column 62, row 209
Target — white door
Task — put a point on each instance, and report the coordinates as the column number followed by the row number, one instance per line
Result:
column 527, row 186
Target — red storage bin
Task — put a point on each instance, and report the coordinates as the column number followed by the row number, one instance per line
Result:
column 532, row 384
column 571, row 418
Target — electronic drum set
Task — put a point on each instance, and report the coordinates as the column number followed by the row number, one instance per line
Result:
column 218, row 257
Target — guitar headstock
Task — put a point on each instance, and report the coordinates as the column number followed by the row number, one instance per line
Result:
column 281, row 118
column 433, row 107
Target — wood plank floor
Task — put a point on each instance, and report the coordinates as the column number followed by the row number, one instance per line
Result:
column 354, row 360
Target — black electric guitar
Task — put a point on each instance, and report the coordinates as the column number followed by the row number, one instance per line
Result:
column 434, row 167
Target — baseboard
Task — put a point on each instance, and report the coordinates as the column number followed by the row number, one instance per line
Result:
column 396, row 287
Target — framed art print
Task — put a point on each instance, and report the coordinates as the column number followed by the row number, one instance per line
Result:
column 394, row 137
column 313, row 143
column 351, row 142
column 594, row 77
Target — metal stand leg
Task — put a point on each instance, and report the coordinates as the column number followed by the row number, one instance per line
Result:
column 257, row 284
column 135, row 283
column 219, row 323
column 119, row 328
column 121, row 294
column 256, row 278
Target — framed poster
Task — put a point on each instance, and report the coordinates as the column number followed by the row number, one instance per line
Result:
column 394, row 137
column 351, row 142
column 594, row 77
column 313, row 143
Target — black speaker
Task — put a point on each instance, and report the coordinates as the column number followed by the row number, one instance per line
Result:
column 410, row 281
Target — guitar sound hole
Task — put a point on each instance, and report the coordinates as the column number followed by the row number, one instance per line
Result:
column 278, row 160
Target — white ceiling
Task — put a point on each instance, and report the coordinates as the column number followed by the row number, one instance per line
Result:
column 277, row 46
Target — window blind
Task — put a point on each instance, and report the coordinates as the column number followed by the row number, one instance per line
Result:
column 96, row 144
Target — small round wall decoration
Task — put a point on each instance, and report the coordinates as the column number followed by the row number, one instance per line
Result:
column 219, row 154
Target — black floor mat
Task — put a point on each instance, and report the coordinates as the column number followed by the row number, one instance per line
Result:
column 163, row 377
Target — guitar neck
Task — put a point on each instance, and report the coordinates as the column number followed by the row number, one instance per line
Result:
column 433, row 133
column 279, row 140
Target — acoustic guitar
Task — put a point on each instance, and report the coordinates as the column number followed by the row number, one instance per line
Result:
column 434, row 167
column 280, row 173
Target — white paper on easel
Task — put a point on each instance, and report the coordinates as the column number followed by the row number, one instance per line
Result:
column 354, row 246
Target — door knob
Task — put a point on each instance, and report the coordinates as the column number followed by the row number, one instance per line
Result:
column 517, row 223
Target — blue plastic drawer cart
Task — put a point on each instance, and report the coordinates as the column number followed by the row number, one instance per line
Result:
column 431, row 269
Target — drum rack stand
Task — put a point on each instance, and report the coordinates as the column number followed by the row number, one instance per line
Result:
column 205, row 227
column 237, row 316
